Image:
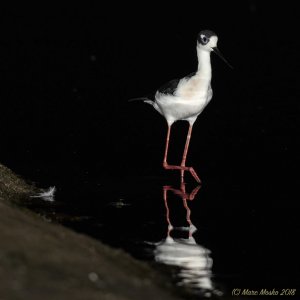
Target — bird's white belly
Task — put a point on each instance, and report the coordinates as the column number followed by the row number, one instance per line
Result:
column 175, row 108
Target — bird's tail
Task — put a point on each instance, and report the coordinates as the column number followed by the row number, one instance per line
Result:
column 144, row 99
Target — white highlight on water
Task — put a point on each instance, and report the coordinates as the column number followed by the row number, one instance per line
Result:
column 47, row 195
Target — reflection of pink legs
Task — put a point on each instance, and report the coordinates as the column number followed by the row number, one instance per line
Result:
column 170, row 227
column 188, row 212
column 182, row 167
column 182, row 192
column 185, row 197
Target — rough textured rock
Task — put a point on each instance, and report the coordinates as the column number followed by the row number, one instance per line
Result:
column 40, row 260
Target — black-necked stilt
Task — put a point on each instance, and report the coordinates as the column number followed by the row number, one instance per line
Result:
column 185, row 98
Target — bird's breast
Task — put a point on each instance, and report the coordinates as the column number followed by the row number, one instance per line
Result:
column 193, row 88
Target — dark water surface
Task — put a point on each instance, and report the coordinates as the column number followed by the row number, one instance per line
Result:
column 206, row 247
column 66, row 122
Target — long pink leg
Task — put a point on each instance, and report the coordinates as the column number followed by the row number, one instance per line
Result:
column 167, row 146
column 186, row 148
column 182, row 168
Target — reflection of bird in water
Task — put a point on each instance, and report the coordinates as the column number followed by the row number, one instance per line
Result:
column 185, row 98
column 193, row 260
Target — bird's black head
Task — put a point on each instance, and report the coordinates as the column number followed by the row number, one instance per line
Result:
column 207, row 41
column 204, row 36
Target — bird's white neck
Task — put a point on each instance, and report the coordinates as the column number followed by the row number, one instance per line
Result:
column 204, row 65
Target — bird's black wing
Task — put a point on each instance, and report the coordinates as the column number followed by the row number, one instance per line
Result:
column 171, row 86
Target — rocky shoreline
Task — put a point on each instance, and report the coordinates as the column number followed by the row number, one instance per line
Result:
column 42, row 260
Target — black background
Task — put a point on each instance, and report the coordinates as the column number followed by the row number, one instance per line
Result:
column 67, row 73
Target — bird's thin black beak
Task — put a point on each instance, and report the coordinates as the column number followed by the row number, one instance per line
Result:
column 218, row 52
